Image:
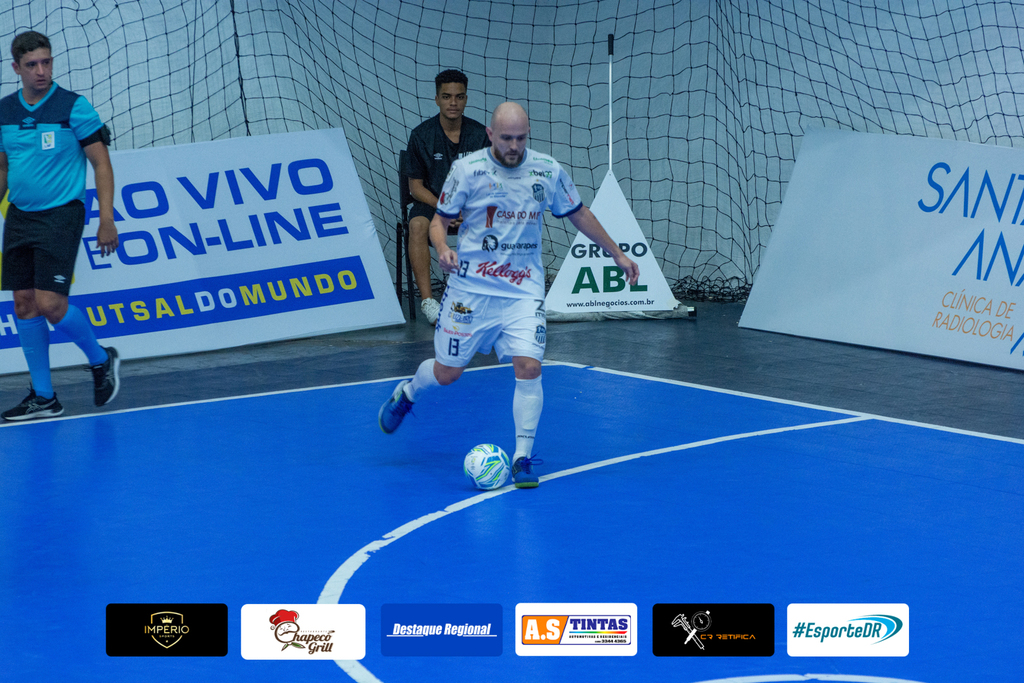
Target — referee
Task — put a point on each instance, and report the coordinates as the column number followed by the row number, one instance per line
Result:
column 46, row 135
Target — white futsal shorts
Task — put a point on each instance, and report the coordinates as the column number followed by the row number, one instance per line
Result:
column 476, row 323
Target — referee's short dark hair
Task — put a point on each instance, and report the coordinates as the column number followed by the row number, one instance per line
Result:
column 449, row 76
column 26, row 42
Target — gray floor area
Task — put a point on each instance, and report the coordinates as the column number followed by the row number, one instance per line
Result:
column 709, row 349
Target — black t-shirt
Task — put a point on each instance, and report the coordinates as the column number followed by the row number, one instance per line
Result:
column 431, row 153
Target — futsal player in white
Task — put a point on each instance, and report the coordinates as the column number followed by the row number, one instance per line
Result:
column 495, row 293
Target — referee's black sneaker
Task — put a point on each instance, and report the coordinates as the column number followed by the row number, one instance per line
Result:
column 106, row 377
column 34, row 407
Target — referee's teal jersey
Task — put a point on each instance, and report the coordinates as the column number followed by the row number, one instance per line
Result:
column 43, row 143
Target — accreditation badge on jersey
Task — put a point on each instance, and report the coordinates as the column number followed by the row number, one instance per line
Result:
column 49, row 140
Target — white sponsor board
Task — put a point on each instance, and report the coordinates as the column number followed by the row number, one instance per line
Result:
column 579, row 629
column 901, row 243
column 227, row 243
column 590, row 282
column 848, row 630
column 303, row 632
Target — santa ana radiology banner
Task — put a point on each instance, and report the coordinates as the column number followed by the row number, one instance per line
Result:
column 901, row 243
column 227, row 243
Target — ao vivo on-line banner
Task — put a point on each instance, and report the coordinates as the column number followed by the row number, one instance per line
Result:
column 901, row 243
column 227, row 243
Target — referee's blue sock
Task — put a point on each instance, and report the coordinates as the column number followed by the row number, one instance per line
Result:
column 77, row 328
column 34, row 335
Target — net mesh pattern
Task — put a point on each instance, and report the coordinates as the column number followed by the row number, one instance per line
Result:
column 710, row 99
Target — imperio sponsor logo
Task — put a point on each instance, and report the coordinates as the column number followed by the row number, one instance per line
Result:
column 178, row 630
column 166, row 628
column 576, row 629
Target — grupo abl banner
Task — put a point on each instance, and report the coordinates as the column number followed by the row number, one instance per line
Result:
column 227, row 243
column 899, row 242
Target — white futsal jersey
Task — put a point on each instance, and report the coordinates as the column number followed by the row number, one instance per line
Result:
column 503, row 216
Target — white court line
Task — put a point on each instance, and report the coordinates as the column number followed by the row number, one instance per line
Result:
column 809, row 677
column 743, row 394
column 335, row 586
column 237, row 397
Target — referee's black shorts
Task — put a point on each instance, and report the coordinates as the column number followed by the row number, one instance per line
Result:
column 40, row 247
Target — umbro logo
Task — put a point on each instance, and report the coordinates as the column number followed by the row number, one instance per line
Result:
column 438, row 156
column 60, row 278
column 28, row 123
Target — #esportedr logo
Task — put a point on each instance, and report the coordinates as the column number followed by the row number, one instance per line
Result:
column 835, row 678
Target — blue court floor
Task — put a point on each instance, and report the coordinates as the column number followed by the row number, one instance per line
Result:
column 654, row 492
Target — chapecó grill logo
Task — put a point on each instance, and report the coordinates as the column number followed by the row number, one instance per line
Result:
column 303, row 632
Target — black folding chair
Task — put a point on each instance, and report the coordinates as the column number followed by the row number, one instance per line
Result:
column 402, row 238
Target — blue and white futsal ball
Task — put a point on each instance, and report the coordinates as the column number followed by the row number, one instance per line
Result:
column 487, row 466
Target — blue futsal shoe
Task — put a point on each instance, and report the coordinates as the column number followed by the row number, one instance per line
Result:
column 523, row 474
column 394, row 409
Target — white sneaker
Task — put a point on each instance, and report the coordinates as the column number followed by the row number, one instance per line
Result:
column 431, row 309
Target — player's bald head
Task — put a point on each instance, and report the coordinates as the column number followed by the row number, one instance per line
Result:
column 509, row 114
column 509, row 130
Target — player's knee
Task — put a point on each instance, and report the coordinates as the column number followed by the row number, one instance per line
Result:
column 445, row 374
column 25, row 304
column 526, row 367
column 419, row 229
column 51, row 306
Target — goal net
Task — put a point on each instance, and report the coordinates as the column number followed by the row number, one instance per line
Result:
column 709, row 100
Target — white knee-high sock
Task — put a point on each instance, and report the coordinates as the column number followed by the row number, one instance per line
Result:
column 423, row 380
column 527, row 402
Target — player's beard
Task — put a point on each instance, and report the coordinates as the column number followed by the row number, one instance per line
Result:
column 512, row 159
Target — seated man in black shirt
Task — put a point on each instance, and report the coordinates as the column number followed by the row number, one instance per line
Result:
column 433, row 146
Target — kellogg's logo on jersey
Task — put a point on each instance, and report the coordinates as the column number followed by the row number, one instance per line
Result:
column 513, row 275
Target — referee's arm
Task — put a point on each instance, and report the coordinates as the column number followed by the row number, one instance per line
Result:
column 3, row 175
column 106, row 234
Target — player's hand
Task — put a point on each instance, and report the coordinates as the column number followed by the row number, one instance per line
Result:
column 448, row 260
column 106, row 237
column 454, row 225
column 631, row 269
